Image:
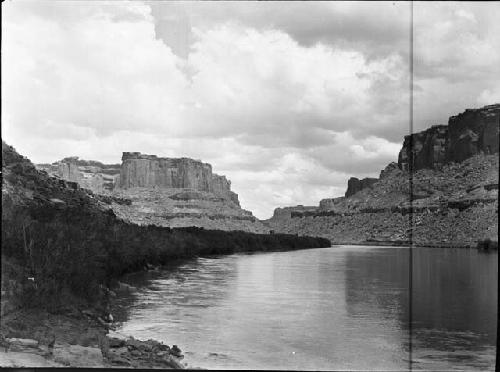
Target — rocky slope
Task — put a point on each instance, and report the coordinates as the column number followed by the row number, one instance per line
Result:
column 89, row 174
column 169, row 192
column 453, row 194
column 173, row 207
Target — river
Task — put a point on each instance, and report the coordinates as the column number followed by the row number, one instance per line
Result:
column 345, row 307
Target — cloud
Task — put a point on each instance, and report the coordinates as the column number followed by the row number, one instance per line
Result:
column 488, row 96
column 456, row 41
column 457, row 59
column 263, row 84
column 288, row 100
column 341, row 24
column 99, row 72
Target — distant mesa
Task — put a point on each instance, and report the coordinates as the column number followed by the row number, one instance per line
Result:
column 141, row 170
column 151, row 190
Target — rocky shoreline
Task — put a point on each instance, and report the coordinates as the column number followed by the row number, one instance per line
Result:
column 77, row 337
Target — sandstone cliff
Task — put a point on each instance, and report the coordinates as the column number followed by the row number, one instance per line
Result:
column 150, row 190
column 475, row 131
column 354, row 185
column 453, row 199
column 140, row 170
column 179, row 192
column 89, row 174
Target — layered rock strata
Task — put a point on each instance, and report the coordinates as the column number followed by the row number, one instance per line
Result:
column 140, row 170
column 179, row 192
column 354, row 185
column 453, row 199
column 475, row 131
column 150, row 190
column 92, row 175
column 172, row 207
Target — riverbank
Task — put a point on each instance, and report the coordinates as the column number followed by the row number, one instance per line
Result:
column 62, row 245
column 76, row 338
column 493, row 245
column 264, row 311
column 70, row 331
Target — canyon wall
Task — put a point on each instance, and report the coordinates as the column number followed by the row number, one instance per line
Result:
column 170, row 192
column 88, row 174
column 475, row 131
column 452, row 199
column 179, row 192
column 354, row 185
column 141, row 170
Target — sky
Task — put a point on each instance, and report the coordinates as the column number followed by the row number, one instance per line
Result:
column 287, row 99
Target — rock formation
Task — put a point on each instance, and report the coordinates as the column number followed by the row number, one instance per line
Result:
column 171, row 207
column 453, row 199
column 140, row 170
column 150, row 190
column 179, row 192
column 354, row 185
column 286, row 212
column 89, row 174
column 475, row 131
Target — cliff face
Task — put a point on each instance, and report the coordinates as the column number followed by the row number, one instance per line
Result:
column 179, row 192
column 429, row 149
column 170, row 192
column 140, row 170
column 475, row 131
column 454, row 197
column 354, row 185
column 92, row 175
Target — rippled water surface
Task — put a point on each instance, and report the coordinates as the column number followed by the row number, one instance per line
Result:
column 335, row 308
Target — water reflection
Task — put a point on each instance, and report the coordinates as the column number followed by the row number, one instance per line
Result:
column 454, row 308
column 337, row 308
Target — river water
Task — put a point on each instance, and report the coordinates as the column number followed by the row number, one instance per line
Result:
column 336, row 308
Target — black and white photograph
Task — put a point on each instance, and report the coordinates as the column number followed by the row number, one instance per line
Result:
column 250, row 185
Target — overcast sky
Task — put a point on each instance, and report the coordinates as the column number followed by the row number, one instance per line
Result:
column 288, row 100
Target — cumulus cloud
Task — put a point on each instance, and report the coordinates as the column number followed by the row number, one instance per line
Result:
column 457, row 59
column 288, row 100
column 350, row 25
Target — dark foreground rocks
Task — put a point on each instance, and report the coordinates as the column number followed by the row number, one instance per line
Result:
column 34, row 338
column 131, row 352
column 487, row 245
